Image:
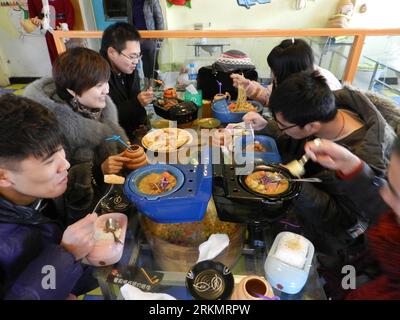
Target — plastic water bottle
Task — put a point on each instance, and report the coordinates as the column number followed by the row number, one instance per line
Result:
column 192, row 73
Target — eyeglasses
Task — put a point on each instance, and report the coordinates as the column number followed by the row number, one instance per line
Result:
column 281, row 125
column 132, row 57
column 283, row 128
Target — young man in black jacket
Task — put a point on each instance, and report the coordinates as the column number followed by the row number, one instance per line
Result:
column 120, row 46
column 304, row 108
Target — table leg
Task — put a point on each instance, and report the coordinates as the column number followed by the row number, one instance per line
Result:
column 331, row 60
column 371, row 84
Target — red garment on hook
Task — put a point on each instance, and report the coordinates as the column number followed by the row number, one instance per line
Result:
column 64, row 13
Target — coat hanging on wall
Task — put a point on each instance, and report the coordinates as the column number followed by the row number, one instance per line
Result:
column 186, row 3
column 249, row 3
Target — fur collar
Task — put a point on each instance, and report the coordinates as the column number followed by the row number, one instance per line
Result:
column 85, row 138
column 379, row 136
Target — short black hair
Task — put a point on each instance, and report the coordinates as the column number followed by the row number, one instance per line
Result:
column 302, row 98
column 26, row 129
column 290, row 56
column 79, row 69
column 116, row 36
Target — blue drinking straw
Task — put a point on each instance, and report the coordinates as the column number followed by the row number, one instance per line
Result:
column 220, row 86
column 267, row 298
column 118, row 139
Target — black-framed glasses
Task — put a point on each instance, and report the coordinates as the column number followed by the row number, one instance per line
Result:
column 132, row 57
column 281, row 125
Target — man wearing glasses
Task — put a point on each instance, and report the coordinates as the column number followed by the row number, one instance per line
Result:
column 304, row 108
column 120, row 46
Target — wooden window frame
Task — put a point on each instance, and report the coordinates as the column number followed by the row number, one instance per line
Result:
column 352, row 61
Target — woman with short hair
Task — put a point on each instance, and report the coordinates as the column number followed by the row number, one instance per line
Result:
column 78, row 95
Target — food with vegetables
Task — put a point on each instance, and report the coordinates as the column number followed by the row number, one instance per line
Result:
column 266, row 182
column 157, row 183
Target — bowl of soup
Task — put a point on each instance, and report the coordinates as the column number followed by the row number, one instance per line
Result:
column 157, row 180
column 267, row 182
column 228, row 112
column 271, row 182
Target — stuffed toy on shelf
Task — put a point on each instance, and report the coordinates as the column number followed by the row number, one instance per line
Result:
column 344, row 12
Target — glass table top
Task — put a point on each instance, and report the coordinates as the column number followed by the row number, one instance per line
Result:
column 139, row 267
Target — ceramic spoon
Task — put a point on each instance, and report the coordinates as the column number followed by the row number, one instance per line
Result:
column 112, row 225
column 296, row 167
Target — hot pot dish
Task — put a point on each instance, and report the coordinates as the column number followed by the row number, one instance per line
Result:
column 267, row 182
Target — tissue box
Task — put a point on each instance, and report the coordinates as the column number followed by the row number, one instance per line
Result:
column 288, row 262
column 292, row 249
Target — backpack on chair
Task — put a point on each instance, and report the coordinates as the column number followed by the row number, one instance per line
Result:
column 232, row 61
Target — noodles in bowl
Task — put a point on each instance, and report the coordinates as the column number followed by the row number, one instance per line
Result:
column 241, row 105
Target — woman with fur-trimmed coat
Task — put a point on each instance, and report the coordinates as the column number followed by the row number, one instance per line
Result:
column 77, row 94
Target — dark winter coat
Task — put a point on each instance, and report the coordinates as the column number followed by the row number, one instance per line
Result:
column 152, row 14
column 330, row 217
column 85, row 145
column 124, row 89
column 383, row 239
column 30, row 248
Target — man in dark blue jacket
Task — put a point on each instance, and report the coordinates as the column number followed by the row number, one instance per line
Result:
column 39, row 258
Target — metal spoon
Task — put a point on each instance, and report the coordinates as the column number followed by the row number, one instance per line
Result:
column 299, row 180
column 277, row 179
column 112, row 225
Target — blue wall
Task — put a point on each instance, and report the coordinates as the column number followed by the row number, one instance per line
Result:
column 101, row 21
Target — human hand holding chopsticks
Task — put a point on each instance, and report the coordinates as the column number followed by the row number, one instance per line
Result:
column 255, row 119
column 146, row 97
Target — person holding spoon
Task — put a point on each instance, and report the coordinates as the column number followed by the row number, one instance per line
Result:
column 40, row 254
column 304, row 108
